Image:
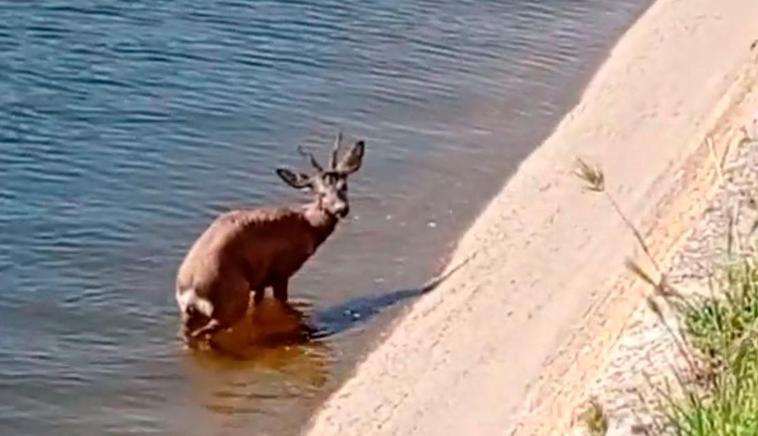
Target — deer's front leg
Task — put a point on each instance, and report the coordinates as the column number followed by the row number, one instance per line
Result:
column 281, row 290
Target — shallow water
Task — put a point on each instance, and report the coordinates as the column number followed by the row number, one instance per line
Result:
column 124, row 128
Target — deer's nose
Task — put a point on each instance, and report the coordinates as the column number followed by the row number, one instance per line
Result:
column 342, row 210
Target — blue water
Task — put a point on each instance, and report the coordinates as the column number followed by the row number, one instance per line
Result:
column 126, row 126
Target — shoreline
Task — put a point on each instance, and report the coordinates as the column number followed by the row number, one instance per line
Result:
column 511, row 337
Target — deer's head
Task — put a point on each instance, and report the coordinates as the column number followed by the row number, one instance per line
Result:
column 328, row 185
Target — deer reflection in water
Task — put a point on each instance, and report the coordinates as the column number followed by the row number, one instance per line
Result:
column 265, row 357
column 267, row 325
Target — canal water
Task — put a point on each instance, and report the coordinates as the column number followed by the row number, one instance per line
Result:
column 125, row 127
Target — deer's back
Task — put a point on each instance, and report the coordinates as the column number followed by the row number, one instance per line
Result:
column 265, row 244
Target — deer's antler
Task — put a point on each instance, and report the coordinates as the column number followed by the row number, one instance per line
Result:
column 308, row 155
column 335, row 151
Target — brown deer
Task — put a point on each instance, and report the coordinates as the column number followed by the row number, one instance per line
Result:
column 246, row 251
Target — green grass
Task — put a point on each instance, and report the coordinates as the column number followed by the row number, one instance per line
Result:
column 723, row 330
column 727, row 407
column 715, row 324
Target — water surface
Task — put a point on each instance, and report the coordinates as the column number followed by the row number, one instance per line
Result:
column 126, row 126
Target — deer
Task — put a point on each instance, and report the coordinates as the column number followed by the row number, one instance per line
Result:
column 246, row 251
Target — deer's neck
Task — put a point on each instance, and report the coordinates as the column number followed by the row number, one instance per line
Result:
column 322, row 223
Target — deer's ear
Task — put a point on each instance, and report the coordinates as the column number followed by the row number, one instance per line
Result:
column 295, row 179
column 353, row 159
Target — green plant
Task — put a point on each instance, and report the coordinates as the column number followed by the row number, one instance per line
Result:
column 594, row 181
column 717, row 322
column 729, row 407
column 719, row 331
column 595, row 419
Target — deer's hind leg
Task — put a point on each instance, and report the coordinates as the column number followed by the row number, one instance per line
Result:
column 258, row 294
column 231, row 298
column 207, row 330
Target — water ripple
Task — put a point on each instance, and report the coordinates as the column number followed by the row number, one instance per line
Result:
column 124, row 127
